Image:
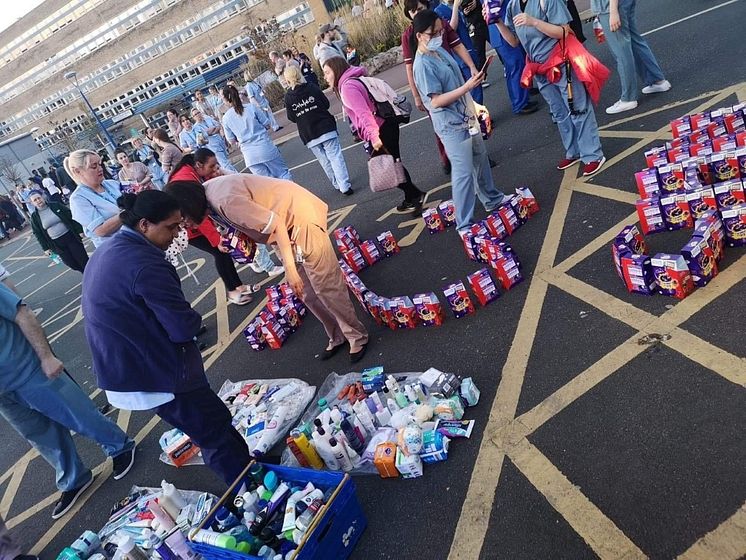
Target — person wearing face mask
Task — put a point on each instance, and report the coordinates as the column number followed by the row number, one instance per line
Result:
column 141, row 331
column 447, row 98
column 208, row 133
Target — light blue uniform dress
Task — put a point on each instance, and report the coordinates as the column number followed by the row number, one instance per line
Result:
column 250, row 130
column 215, row 142
column 147, row 156
column 436, row 73
column 254, row 91
column 579, row 131
column 91, row 209
column 188, row 139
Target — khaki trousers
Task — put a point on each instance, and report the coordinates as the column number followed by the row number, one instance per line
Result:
column 326, row 293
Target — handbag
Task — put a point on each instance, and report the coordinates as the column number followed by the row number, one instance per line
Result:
column 385, row 172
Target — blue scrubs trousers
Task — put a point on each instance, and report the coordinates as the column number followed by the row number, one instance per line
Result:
column 514, row 59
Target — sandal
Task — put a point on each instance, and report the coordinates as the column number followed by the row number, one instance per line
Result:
column 241, row 299
column 250, row 288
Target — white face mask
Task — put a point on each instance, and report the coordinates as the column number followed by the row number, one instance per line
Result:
column 435, row 43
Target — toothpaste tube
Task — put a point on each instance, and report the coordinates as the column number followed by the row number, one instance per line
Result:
column 455, row 428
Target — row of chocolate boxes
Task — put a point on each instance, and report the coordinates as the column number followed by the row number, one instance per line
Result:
column 277, row 320
column 674, row 275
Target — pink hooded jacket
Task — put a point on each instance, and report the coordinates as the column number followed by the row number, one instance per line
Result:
column 358, row 105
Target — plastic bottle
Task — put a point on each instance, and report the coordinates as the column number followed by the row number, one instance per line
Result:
column 409, row 392
column 392, row 406
column 171, row 499
column 224, row 519
column 308, row 451
column 598, row 30
column 383, row 417
column 55, row 258
column 177, row 542
column 257, row 472
column 216, row 539
column 355, row 458
column 336, row 416
column 340, row 455
column 304, row 521
column 270, row 481
column 269, row 539
column 323, row 405
column 266, row 553
column 295, row 450
column 272, row 430
column 323, row 449
column 130, row 550
column 156, row 543
column 401, row 399
column 163, row 519
column 352, row 436
column 420, row 394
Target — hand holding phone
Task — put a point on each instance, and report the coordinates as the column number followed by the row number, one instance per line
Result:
column 486, row 65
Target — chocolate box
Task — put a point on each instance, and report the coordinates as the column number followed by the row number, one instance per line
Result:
column 520, row 210
column 254, row 336
column 632, row 237
column 675, row 212
column 637, row 273
column 740, row 154
column 433, row 221
column 508, row 271
column 701, row 261
column 647, row 182
column 734, row 225
column 240, row 248
column 671, row 178
column 699, row 121
column 724, row 167
column 373, row 305
column 649, row 213
column 458, row 300
column 346, row 238
column 734, row 122
column 656, row 156
column 672, row 276
column 701, row 200
column 483, row 286
column 354, row 259
column 370, row 252
column 509, row 218
column 527, row 199
column 619, row 250
column 403, row 312
column 679, row 153
column 388, row 243
column 713, row 236
column 729, row 193
column 429, row 309
column 725, row 143
column 495, row 226
column 448, row 213
column 681, row 126
column 701, row 148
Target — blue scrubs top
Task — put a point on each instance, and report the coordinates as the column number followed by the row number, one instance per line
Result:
column 537, row 45
column 214, row 141
column 18, row 361
column 188, row 139
column 91, row 209
column 438, row 73
column 250, row 130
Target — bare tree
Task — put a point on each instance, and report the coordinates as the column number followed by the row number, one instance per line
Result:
column 71, row 140
column 9, row 170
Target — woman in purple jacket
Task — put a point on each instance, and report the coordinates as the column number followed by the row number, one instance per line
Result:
column 141, row 330
column 381, row 136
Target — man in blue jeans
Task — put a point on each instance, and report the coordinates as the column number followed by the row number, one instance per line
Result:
column 631, row 51
column 43, row 404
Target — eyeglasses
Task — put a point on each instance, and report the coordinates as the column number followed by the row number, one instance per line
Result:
column 434, row 33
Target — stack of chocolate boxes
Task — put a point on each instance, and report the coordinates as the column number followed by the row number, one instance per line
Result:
column 702, row 169
column 278, row 319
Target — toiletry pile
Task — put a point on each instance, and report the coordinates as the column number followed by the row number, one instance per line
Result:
column 148, row 523
column 263, row 411
column 389, row 424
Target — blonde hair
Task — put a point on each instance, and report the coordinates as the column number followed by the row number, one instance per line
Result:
column 293, row 76
column 78, row 160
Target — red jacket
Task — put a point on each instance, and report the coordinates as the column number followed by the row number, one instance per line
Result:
column 206, row 228
column 587, row 68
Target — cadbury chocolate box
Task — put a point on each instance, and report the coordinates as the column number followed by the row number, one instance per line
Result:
column 507, row 271
column 701, row 200
column 671, row 178
column 637, row 273
column 495, row 226
column 729, row 193
column 735, row 121
column 527, row 199
column 346, row 238
column 433, row 221
column 701, row 261
column 483, row 286
column 370, row 252
column 675, row 212
column 647, row 182
column 681, row 126
column 254, row 336
column 672, row 276
column 354, row 259
column 713, row 237
column 458, row 300
column 724, row 167
column 618, row 251
column 740, row 154
column 509, row 218
column 373, row 305
column 403, row 312
column 429, row 309
column 389, row 246
column 725, row 143
column 649, row 213
column 632, row 237
column 734, row 225
column 448, row 212
column 656, row 157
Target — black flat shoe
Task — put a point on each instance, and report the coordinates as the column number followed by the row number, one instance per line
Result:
column 493, row 163
column 202, row 330
column 348, row 192
column 530, row 108
column 355, row 357
column 327, row 354
column 405, row 205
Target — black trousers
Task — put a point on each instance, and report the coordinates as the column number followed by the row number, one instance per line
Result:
column 481, row 36
column 204, row 417
column 389, row 134
column 71, row 250
column 223, row 262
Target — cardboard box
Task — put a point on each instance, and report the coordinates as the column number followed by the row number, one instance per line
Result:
column 355, row 260
column 657, row 156
column 509, row 218
column 699, row 149
column 370, row 252
column 632, row 238
column 429, row 309
column 240, row 247
column 385, row 459
column 637, row 273
column 618, row 251
column 410, row 466
column 526, row 198
column 448, row 213
column 724, row 167
column 734, row 225
column 675, row 212
column 729, row 193
column 648, row 182
column 483, row 286
column 740, row 154
column 734, row 122
column 495, row 226
column 701, row 261
column 182, row 450
column 672, row 276
column 433, row 221
column 373, row 305
column 254, row 336
column 725, row 143
column 403, row 312
column 681, row 126
column 508, row 271
column 388, row 243
column 671, row 178
column 346, row 238
column 458, row 300
column 714, row 239
column 520, row 210
column 700, row 201
column 649, row 213
column 699, row 121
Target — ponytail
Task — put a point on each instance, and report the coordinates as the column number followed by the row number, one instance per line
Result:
column 151, row 205
column 234, row 98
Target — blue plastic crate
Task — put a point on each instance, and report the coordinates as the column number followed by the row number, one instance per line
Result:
column 335, row 531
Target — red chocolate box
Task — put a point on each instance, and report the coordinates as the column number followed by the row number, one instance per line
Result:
column 675, row 212
column 734, row 224
column 433, row 221
column 458, row 300
column 370, row 252
column 483, row 286
column 448, row 212
column 527, row 199
column 495, row 226
column 701, row 261
column 672, row 275
column 729, row 193
column 509, row 218
column 429, row 309
column 649, row 213
column 637, row 273
column 403, row 312
column 388, row 243
column 647, row 182
column 508, row 271
column 354, row 259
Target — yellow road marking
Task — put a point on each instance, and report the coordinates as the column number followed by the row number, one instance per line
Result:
column 725, row 542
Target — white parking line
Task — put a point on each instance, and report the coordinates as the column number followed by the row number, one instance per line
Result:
column 690, row 17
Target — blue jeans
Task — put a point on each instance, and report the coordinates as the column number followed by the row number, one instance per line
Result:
column 579, row 132
column 45, row 410
column 470, row 175
column 631, row 51
column 329, row 154
column 263, row 259
column 276, row 168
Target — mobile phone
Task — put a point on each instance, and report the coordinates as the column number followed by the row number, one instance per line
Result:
column 487, row 65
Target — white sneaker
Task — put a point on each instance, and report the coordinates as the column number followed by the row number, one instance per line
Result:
column 275, row 271
column 660, row 87
column 621, row 106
